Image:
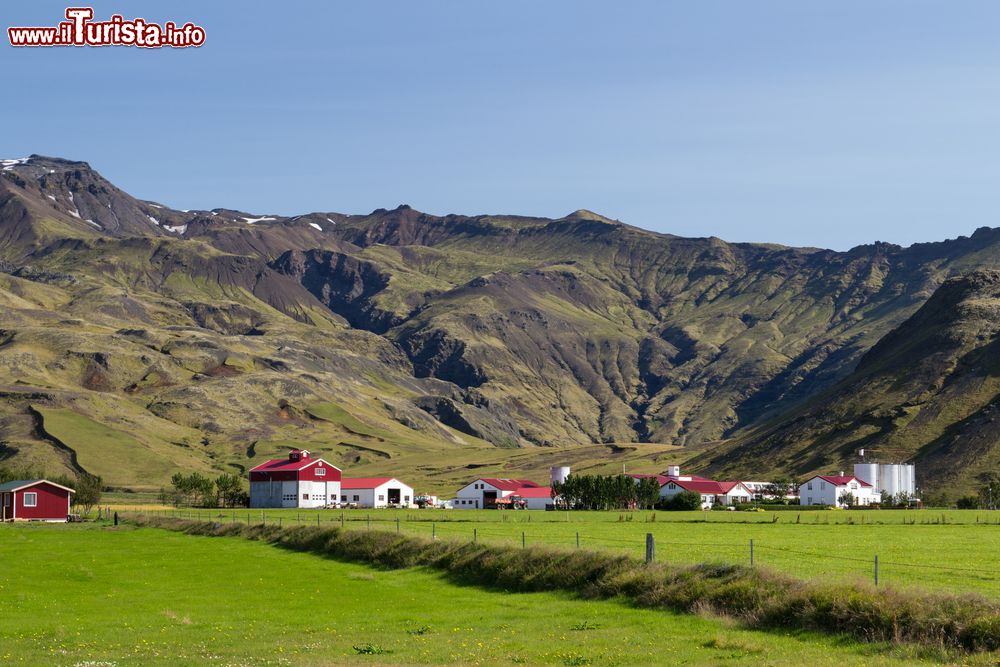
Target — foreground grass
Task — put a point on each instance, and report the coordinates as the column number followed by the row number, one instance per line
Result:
column 145, row 596
column 757, row 597
column 950, row 551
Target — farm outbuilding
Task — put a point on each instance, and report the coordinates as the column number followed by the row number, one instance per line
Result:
column 484, row 492
column 35, row 500
column 373, row 492
column 298, row 481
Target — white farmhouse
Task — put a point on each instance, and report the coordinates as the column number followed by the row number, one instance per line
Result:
column 830, row 489
column 374, row 492
column 484, row 492
column 712, row 492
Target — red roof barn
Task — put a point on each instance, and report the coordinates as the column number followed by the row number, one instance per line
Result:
column 297, row 481
column 34, row 500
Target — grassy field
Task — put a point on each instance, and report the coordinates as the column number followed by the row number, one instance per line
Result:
column 951, row 550
column 99, row 595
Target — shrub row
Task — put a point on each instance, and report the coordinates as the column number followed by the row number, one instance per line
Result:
column 758, row 597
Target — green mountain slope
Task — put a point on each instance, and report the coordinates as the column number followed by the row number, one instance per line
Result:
column 928, row 392
column 210, row 338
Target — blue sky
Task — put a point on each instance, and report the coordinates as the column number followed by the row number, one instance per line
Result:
column 805, row 123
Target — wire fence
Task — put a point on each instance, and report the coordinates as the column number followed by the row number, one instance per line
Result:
column 825, row 560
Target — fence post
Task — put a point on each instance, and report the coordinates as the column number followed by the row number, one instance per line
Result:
column 578, row 539
column 369, row 522
column 751, row 553
column 522, row 539
column 317, row 519
column 650, row 548
column 248, row 518
column 475, row 535
column 279, row 522
column 397, row 525
column 341, row 519
column 876, row 569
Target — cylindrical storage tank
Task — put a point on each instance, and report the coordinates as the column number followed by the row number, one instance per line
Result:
column 911, row 480
column 673, row 471
column 867, row 472
column 891, row 482
column 559, row 474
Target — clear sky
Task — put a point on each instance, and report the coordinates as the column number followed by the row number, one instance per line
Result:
column 805, row 123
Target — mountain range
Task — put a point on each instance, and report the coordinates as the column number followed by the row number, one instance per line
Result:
column 137, row 340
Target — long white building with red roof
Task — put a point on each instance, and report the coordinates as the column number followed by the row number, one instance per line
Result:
column 485, row 492
column 373, row 492
column 296, row 481
column 711, row 491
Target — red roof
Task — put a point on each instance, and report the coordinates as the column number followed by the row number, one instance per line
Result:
column 365, row 482
column 509, row 484
column 663, row 479
column 275, row 465
column 534, row 492
column 842, row 480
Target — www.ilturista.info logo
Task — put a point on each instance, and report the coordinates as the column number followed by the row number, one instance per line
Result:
column 81, row 30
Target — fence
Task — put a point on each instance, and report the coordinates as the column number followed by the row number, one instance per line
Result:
column 644, row 541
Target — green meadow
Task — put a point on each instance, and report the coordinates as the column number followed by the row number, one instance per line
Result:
column 95, row 595
column 954, row 550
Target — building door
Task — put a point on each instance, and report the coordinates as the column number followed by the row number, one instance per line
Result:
column 489, row 499
column 393, row 496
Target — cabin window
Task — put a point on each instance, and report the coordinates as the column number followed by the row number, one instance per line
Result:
column 30, row 499
column 854, row 485
column 381, row 497
column 320, row 472
column 809, row 486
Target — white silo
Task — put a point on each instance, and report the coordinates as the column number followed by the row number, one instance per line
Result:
column 898, row 478
column 868, row 472
column 558, row 474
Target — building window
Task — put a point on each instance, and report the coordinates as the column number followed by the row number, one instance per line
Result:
column 343, row 499
column 822, row 485
column 305, row 496
column 406, row 499
column 288, row 497
column 809, row 486
column 30, row 499
column 357, row 498
column 381, row 497
column 320, row 472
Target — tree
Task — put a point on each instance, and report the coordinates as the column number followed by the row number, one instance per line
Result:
column 685, row 501
column 88, row 492
column 229, row 488
column 968, row 503
column 193, row 489
column 780, row 487
column 989, row 493
column 648, row 492
column 847, row 499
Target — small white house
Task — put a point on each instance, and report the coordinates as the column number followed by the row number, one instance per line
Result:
column 374, row 492
column 830, row 490
column 484, row 492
